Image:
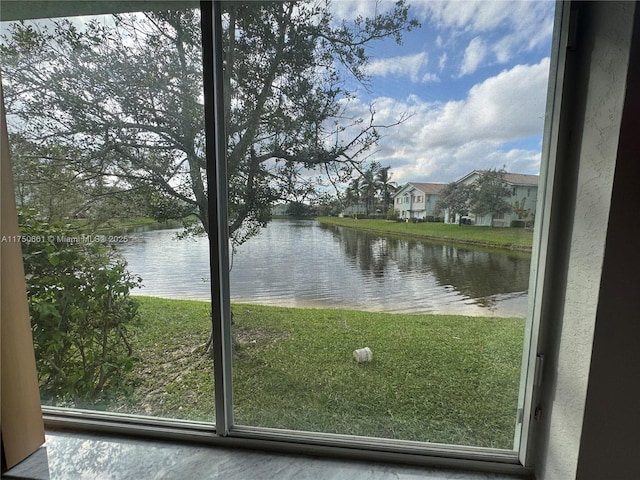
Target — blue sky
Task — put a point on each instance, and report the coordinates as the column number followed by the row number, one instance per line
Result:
column 473, row 79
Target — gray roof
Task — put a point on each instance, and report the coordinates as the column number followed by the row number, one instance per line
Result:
column 426, row 188
column 521, row 179
column 511, row 178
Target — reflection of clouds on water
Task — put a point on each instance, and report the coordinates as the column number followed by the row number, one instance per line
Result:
column 302, row 264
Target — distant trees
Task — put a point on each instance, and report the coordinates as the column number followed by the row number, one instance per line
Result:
column 52, row 181
column 299, row 210
column 488, row 195
column 372, row 188
column 386, row 186
column 520, row 208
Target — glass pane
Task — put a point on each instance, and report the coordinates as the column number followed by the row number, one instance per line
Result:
column 107, row 134
column 383, row 167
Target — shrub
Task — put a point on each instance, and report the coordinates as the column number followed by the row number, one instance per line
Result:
column 392, row 214
column 81, row 312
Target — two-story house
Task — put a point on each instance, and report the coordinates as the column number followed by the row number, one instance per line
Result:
column 417, row 200
column 524, row 195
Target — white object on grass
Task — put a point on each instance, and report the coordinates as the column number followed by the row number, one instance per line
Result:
column 362, row 355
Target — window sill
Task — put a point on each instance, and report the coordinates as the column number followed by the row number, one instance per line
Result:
column 79, row 455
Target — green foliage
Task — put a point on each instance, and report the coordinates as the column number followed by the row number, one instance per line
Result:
column 392, row 214
column 373, row 188
column 81, row 312
column 520, row 209
column 457, row 198
column 486, row 196
column 163, row 207
column 46, row 180
column 299, row 210
column 491, row 193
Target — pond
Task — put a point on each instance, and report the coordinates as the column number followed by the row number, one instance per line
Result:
column 301, row 263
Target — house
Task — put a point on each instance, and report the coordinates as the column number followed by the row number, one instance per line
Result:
column 417, row 200
column 353, row 210
column 524, row 196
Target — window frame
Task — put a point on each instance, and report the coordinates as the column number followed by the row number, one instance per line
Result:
column 224, row 432
column 548, row 230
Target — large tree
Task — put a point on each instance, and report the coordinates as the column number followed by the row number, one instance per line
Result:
column 126, row 94
column 51, row 181
column 456, row 198
column 491, row 193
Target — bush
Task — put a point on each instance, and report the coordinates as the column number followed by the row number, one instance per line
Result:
column 81, row 312
column 392, row 214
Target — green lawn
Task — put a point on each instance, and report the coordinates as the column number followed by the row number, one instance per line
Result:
column 436, row 378
column 112, row 225
column 499, row 237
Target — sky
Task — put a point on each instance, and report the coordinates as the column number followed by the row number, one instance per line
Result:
column 472, row 81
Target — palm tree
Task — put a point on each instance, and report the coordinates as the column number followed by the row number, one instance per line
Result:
column 385, row 186
column 369, row 186
column 352, row 193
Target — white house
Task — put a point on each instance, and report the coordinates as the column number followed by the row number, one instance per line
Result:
column 417, row 200
column 357, row 209
column 524, row 190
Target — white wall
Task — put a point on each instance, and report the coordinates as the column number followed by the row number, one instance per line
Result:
column 595, row 96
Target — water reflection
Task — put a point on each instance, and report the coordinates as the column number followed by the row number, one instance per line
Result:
column 478, row 274
column 304, row 264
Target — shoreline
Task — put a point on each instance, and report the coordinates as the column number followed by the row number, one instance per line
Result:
column 340, row 222
column 284, row 305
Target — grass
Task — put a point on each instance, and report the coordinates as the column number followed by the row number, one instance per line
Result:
column 112, row 225
column 171, row 377
column 497, row 237
column 435, row 378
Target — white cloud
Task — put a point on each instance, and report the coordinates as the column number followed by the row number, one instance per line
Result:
column 508, row 27
column 477, row 16
column 474, row 54
column 442, row 61
column 442, row 141
column 408, row 65
column 430, row 77
column 352, row 9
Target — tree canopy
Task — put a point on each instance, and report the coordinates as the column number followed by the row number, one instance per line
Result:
column 491, row 193
column 125, row 95
column 488, row 194
column 457, row 198
column 373, row 187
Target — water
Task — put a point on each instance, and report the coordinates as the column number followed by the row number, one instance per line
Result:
column 301, row 263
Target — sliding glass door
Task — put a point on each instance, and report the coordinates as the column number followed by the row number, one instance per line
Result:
column 331, row 207
column 383, row 172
